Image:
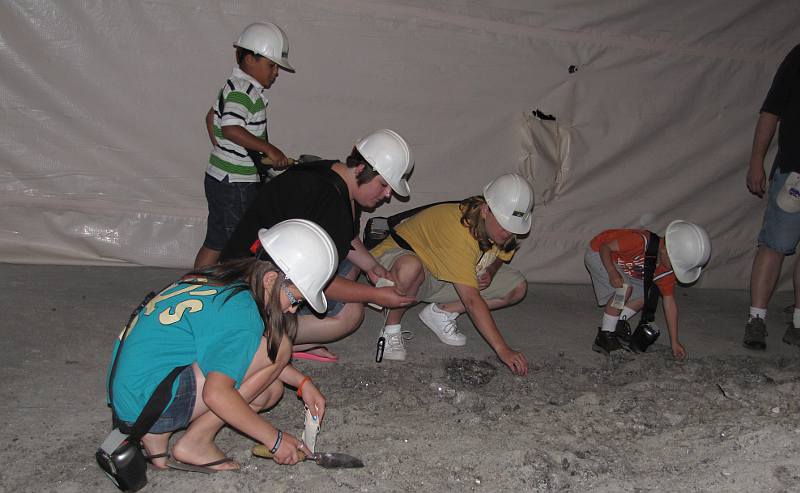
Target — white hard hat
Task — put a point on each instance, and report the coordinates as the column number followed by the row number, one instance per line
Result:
column 689, row 249
column 306, row 254
column 391, row 157
column 510, row 198
column 268, row 40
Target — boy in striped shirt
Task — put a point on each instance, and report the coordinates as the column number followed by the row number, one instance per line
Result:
column 237, row 125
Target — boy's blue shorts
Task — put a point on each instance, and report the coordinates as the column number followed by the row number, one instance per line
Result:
column 780, row 230
column 227, row 203
column 177, row 415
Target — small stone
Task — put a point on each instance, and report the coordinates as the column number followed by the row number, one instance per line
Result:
column 776, row 410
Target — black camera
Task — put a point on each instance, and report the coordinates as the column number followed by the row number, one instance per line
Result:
column 644, row 335
column 375, row 231
column 123, row 461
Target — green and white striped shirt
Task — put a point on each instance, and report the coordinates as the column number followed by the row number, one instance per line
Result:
column 239, row 102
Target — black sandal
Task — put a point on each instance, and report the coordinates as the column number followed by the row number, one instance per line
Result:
column 201, row 468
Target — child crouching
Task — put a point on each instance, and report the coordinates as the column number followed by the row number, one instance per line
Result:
column 619, row 257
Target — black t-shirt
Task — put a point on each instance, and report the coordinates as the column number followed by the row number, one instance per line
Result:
column 310, row 191
column 783, row 99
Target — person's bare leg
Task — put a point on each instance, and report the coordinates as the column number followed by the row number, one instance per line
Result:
column 313, row 331
column 514, row 296
column 408, row 274
column 797, row 282
column 766, row 269
column 634, row 305
column 156, row 443
column 197, row 446
column 205, row 257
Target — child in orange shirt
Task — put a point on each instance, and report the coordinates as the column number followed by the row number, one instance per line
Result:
column 616, row 257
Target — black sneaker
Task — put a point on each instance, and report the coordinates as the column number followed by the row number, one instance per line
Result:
column 755, row 333
column 605, row 342
column 623, row 333
column 792, row 334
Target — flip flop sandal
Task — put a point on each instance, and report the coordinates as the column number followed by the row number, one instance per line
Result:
column 314, row 357
column 206, row 468
column 149, row 459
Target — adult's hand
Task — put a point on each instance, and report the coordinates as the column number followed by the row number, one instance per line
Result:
column 756, row 179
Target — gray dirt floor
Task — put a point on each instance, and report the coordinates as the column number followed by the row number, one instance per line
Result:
column 449, row 419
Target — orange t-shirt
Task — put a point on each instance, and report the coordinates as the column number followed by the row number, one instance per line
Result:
column 630, row 257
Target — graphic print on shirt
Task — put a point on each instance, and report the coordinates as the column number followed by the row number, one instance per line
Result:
column 173, row 314
column 634, row 266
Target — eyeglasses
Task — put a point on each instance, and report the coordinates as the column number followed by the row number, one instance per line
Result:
column 292, row 300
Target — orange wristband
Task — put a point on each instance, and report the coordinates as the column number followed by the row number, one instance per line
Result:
column 300, row 387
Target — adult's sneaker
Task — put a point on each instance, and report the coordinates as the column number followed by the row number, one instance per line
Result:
column 792, row 335
column 394, row 349
column 443, row 324
column 755, row 333
column 605, row 342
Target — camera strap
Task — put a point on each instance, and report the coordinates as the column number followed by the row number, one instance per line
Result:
column 651, row 291
column 157, row 402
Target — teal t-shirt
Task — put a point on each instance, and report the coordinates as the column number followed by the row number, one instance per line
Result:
column 183, row 324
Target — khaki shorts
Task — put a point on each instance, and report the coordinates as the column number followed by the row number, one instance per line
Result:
column 433, row 290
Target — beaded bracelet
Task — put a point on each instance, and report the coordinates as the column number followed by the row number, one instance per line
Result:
column 300, row 387
column 277, row 442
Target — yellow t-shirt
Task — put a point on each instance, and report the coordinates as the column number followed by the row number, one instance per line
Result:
column 445, row 246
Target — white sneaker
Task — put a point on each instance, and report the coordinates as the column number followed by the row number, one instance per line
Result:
column 443, row 324
column 394, row 349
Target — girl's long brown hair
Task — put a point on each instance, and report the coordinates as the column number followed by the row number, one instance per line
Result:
column 247, row 275
column 471, row 219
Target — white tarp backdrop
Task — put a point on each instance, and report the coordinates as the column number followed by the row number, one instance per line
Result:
column 103, row 145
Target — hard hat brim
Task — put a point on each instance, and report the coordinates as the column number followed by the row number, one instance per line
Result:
column 317, row 302
column 400, row 186
column 518, row 227
column 684, row 275
column 687, row 276
column 284, row 64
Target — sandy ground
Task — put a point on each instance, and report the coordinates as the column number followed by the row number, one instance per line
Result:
column 449, row 419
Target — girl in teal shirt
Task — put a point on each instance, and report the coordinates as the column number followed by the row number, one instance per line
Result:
column 234, row 325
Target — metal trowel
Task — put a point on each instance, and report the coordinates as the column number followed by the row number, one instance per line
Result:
column 329, row 460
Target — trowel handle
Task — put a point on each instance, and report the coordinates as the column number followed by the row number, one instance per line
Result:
column 263, row 451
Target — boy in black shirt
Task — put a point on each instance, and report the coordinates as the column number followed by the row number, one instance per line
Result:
column 327, row 193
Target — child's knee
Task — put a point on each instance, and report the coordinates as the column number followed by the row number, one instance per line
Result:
column 518, row 293
column 408, row 272
column 269, row 398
